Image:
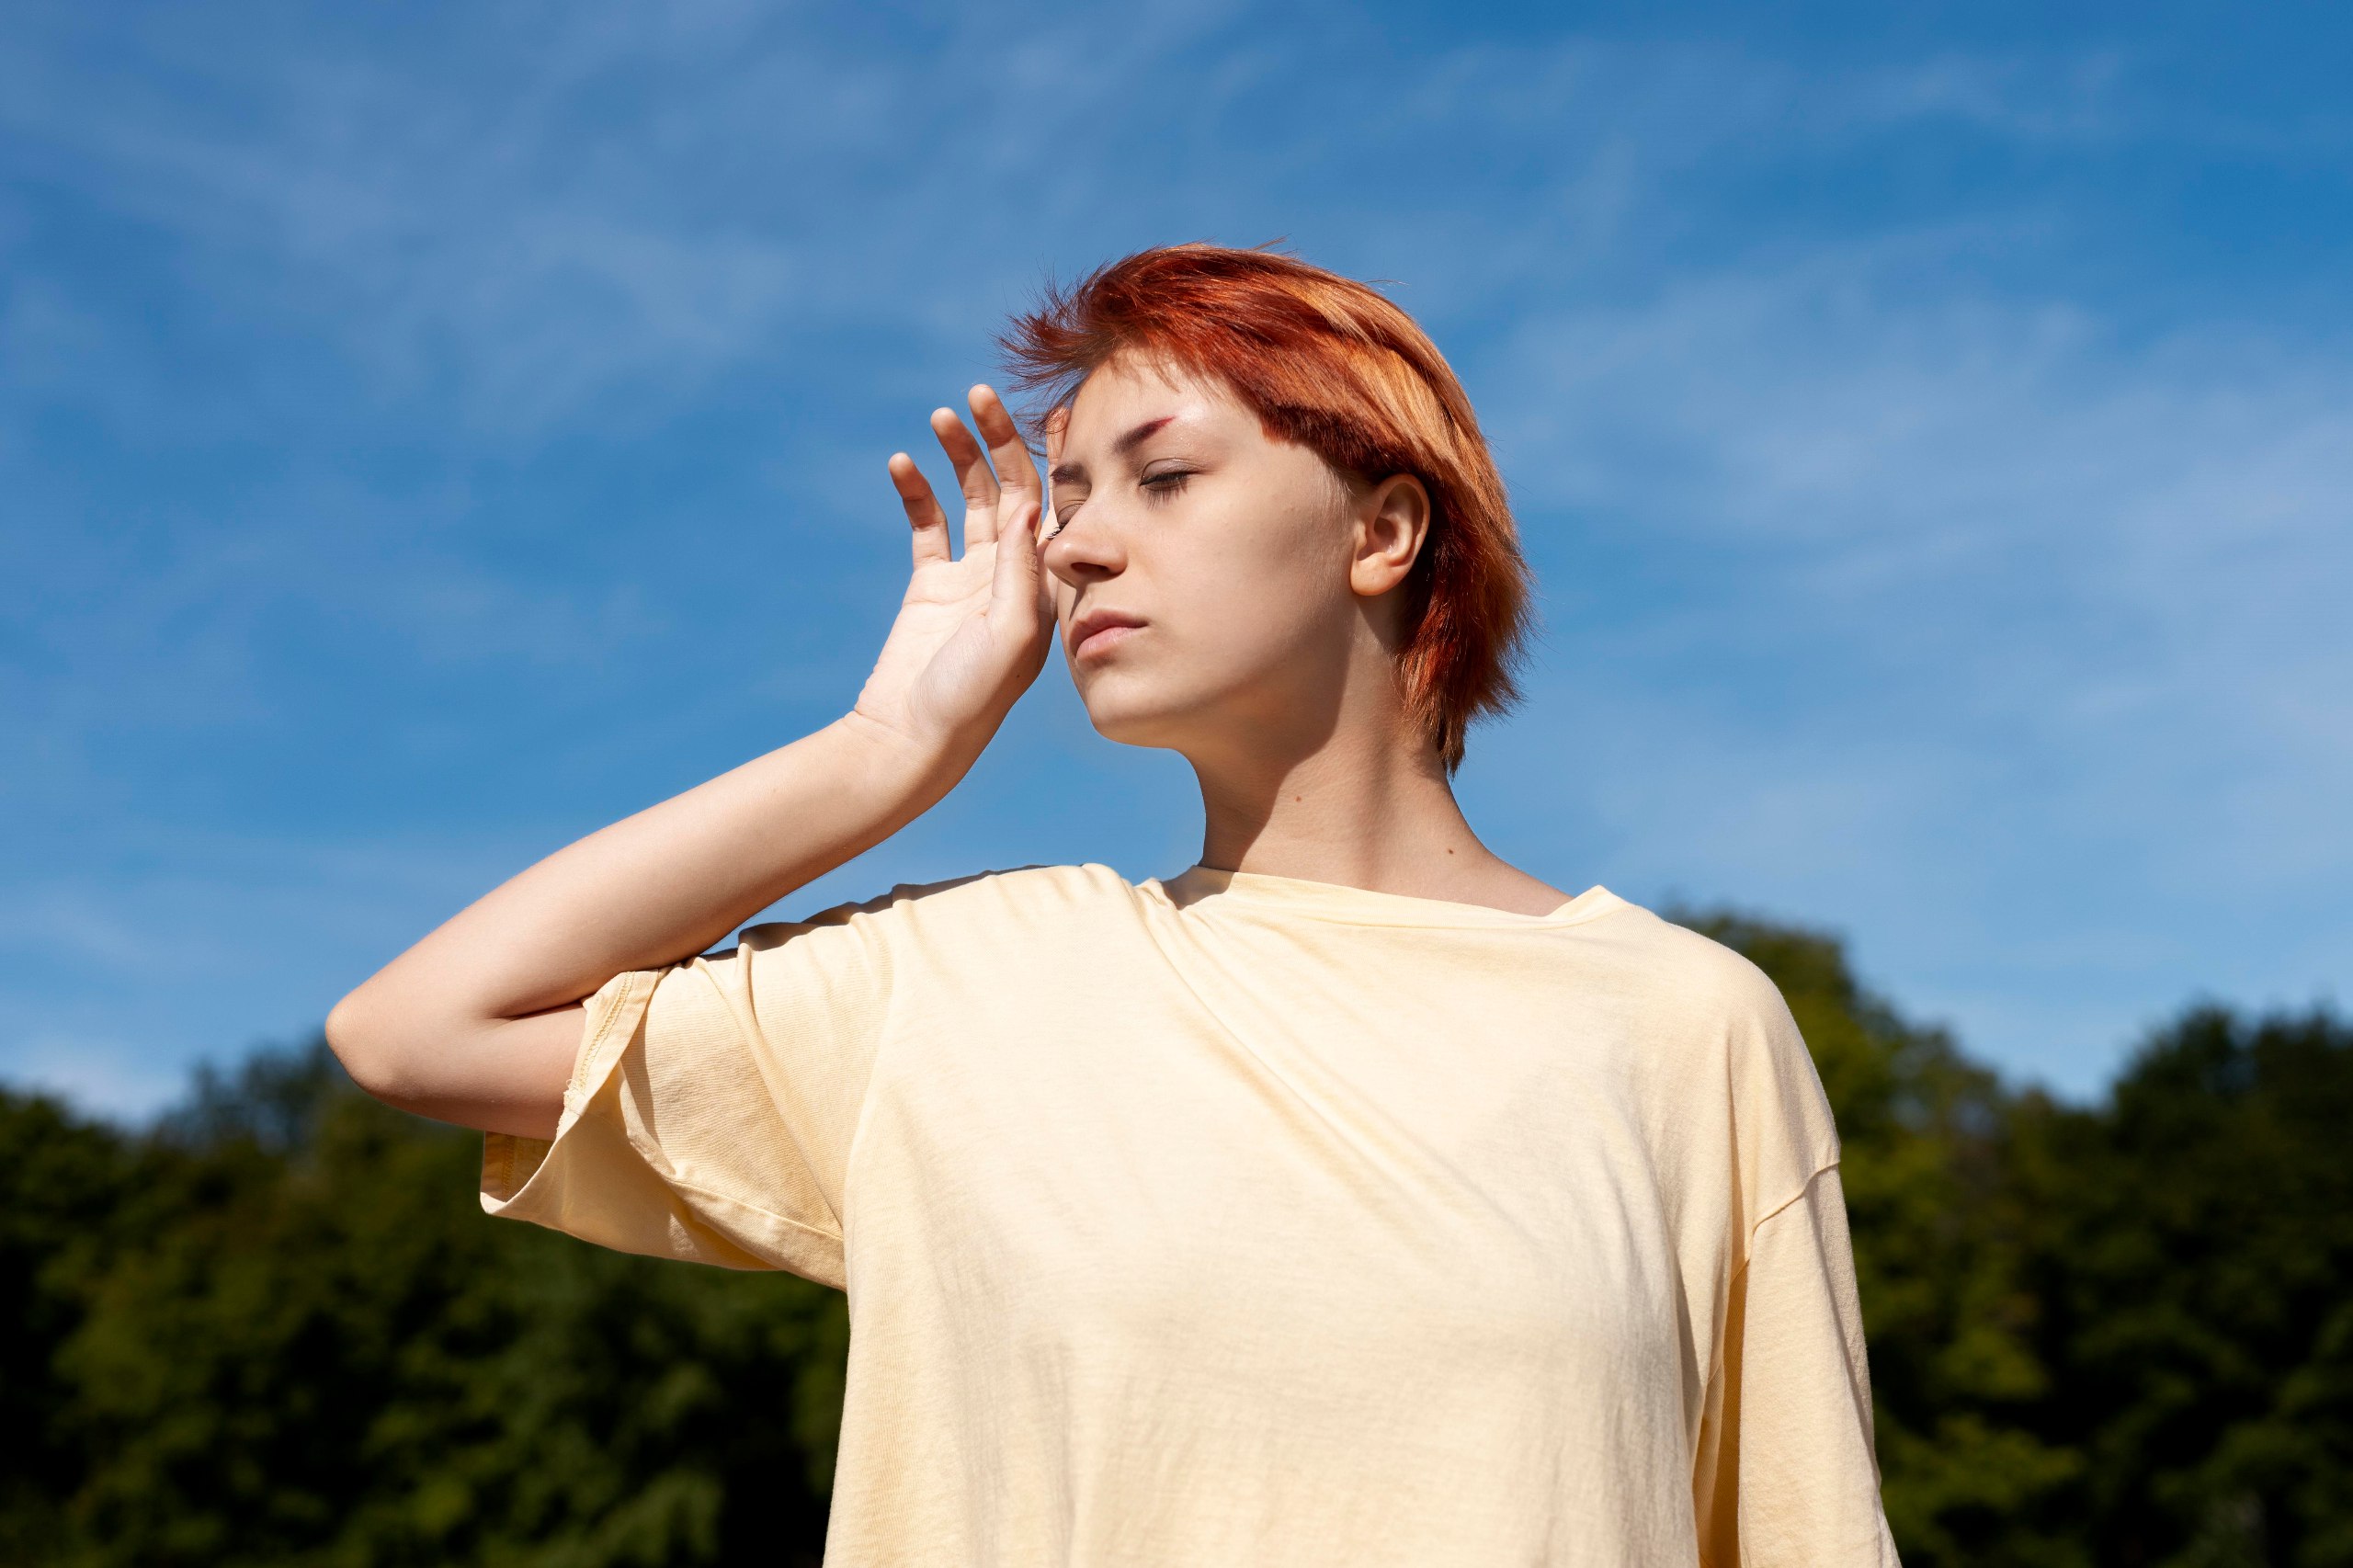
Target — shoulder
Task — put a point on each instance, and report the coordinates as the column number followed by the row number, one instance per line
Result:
column 1684, row 973
column 1026, row 890
column 1708, row 1010
column 1715, row 1026
column 991, row 922
column 1022, row 896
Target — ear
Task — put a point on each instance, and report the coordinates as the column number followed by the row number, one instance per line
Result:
column 1392, row 522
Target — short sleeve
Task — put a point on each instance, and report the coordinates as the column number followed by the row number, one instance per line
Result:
column 1787, row 1474
column 713, row 1104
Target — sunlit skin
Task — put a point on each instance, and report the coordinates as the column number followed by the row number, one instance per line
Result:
column 1231, row 554
column 1216, row 592
column 1268, row 587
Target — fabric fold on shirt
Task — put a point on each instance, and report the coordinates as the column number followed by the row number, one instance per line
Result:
column 1249, row 1218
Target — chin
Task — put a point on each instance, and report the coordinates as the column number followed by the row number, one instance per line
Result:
column 1123, row 710
column 1135, row 729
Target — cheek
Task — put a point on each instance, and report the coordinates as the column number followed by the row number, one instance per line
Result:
column 1259, row 580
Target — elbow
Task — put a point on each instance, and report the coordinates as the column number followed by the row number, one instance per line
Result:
column 361, row 1042
column 432, row 1061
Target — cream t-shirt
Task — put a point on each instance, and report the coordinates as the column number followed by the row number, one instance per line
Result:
column 1240, row 1219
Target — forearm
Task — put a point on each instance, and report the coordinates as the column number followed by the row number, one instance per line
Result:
column 479, row 1022
column 456, row 1027
column 672, row 879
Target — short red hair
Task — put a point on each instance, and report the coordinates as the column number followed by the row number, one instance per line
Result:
column 1332, row 365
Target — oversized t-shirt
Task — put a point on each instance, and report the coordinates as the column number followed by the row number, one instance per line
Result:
column 1243, row 1219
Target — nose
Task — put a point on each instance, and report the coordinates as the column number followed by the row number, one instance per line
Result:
column 1085, row 551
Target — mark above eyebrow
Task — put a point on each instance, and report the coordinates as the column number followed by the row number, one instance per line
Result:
column 1140, row 434
column 1073, row 472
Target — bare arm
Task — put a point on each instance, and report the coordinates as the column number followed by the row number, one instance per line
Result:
column 478, row 1023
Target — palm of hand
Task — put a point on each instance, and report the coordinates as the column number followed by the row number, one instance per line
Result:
column 971, row 630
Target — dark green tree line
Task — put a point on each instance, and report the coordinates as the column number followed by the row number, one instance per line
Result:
column 1939, row 1262
column 2117, row 1336
column 277, row 1329
column 281, row 1330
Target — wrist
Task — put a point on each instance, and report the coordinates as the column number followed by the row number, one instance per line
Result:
column 894, row 765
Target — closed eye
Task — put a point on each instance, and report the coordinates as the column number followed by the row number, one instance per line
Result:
column 1167, row 483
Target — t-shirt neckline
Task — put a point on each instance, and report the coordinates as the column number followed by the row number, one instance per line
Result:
column 1200, row 885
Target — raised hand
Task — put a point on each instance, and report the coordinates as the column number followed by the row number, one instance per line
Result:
column 480, row 1022
column 973, row 630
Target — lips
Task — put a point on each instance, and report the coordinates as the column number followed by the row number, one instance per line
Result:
column 1100, row 630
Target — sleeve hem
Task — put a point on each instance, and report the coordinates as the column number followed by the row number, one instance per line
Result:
column 512, row 1163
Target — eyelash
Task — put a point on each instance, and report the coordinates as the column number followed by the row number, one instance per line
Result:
column 1159, row 486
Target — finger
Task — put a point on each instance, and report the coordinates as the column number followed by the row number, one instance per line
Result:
column 930, row 524
column 1016, row 584
column 973, row 476
column 1017, row 469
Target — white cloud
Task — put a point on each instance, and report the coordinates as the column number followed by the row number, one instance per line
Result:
column 113, row 1078
column 2054, row 618
column 1983, row 618
column 529, row 219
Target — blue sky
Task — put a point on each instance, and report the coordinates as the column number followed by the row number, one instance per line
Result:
column 428, row 433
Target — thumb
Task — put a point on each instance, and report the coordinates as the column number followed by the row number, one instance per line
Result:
column 1017, row 584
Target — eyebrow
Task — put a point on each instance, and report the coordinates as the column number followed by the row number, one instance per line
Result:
column 1120, row 447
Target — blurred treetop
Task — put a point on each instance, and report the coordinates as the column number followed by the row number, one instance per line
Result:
column 276, row 1328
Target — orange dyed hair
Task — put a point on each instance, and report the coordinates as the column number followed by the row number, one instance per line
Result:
column 1332, row 365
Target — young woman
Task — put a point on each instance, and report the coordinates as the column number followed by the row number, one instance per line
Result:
column 1352, row 1198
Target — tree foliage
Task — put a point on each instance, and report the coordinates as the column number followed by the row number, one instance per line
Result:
column 2193, row 1245
column 1938, row 1261
column 281, row 1330
column 276, row 1328
column 2119, row 1335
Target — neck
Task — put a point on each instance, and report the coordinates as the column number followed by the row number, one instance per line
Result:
column 1368, row 805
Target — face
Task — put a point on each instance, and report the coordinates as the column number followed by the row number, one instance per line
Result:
column 1212, row 583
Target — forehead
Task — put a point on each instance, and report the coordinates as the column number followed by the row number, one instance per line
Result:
column 1128, row 390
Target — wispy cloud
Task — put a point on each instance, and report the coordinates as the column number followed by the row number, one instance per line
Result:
column 1980, row 588
column 629, row 201
column 471, row 415
column 117, row 1078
